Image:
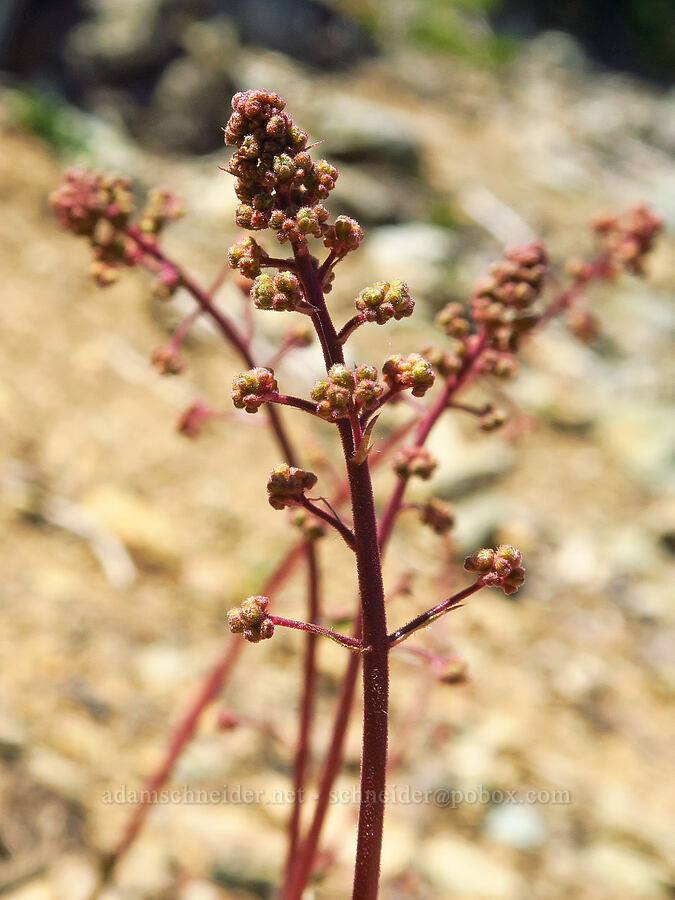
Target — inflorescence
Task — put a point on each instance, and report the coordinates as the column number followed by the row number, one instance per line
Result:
column 498, row 568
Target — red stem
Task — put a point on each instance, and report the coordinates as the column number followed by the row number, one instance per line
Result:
column 288, row 400
column 350, row 327
column 430, row 615
column 301, row 761
column 180, row 737
column 227, row 328
column 332, row 520
column 371, row 592
column 343, row 639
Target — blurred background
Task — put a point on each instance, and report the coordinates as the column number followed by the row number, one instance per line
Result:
column 459, row 127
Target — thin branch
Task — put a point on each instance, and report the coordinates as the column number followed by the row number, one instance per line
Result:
column 426, row 618
column 275, row 262
column 327, row 265
column 472, row 410
column 342, row 639
column 289, row 400
column 333, row 520
column 219, row 280
column 350, row 327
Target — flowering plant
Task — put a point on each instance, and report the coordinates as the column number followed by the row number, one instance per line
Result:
column 282, row 188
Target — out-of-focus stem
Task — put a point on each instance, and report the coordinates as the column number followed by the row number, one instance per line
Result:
column 302, row 752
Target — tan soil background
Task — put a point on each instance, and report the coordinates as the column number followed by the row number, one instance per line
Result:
column 570, row 682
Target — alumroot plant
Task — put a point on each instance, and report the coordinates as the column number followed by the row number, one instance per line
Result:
column 282, row 189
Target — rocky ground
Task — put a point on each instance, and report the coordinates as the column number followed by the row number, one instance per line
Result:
column 125, row 543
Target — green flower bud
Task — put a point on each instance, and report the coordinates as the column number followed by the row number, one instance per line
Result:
column 249, row 389
column 412, row 371
column 385, row 300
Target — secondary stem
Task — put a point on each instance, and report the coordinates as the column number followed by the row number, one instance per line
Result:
column 426, row 618
column 306, row 706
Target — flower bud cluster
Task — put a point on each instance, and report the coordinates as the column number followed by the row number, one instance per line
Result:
column 438, row 515
column 245, row 255
column 385, row 300
column 491, row 419
column 98, row 207
column 413, row 371
column 166, row 282
column 499, row 364
column 251, row 389
column 344, row 389
column 628, row 238
column 190, row 420
column 414, row 462
column 250, row 619
column 452, row 320
column 280, row 292
column 582, row 323
column 499, row 568
column 446, row 360
column 85, row 197
column 167, row 359
column 345, row 234
column 502, row 301
column 278, row 184
column 162, row 207
column 286, row 486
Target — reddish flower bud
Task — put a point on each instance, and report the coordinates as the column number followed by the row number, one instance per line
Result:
column 630, row 237
column 438, row 515
column 286, row 486
column 345, row 234
column 250, row 619
column 245, row 255
column 333, row 394
column 190, row 421
column 498, row 568
column 412, row 371
column 368, row 389
column 167, row 360
column 446, row 361
column 452, row 321
column 162, row 206
column 492, row 419
column 414, row 461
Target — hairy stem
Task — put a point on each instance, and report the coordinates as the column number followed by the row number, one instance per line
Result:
column 374, row 633
column 332, row 520
column 342, row 639
column 430, row 615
